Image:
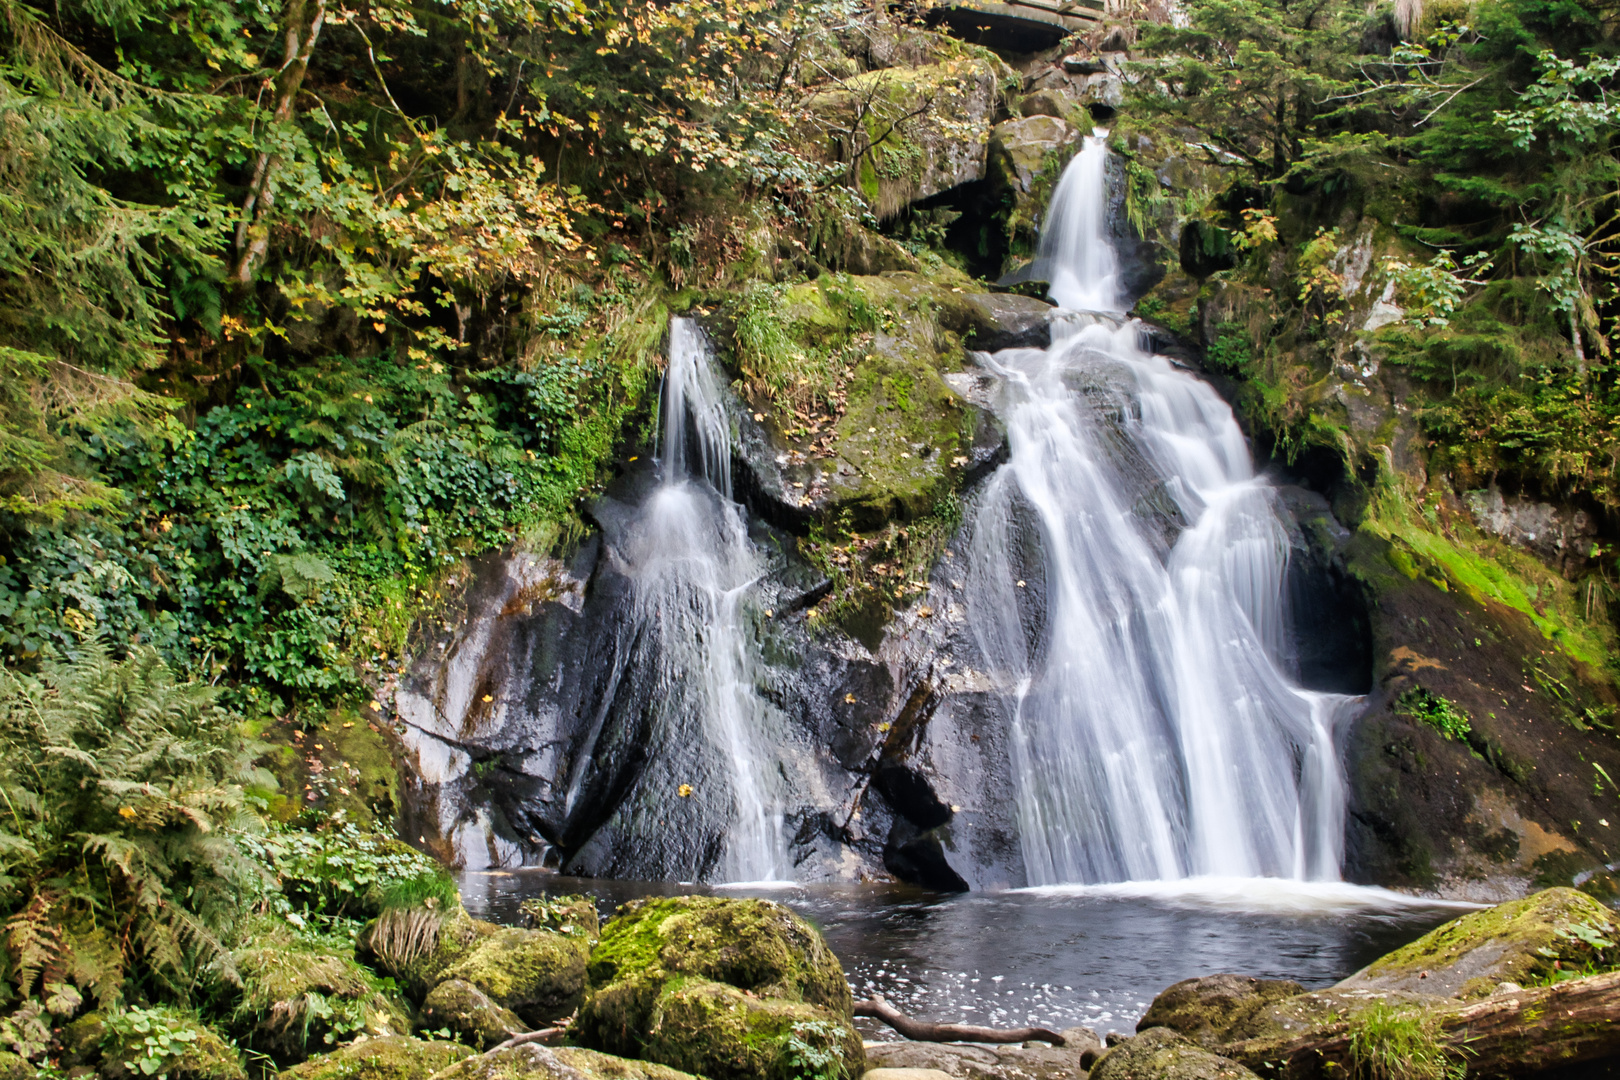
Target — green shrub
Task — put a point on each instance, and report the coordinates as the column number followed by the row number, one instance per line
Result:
column 1436, row 711
column 126, row 794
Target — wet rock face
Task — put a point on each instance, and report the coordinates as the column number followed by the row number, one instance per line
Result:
column 1561, row 536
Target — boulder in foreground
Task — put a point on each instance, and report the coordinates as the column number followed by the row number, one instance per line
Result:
column 532, row 1061
column 731, row 989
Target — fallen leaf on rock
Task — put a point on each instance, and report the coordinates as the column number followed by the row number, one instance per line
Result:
column 849, row 699
column 684, row 790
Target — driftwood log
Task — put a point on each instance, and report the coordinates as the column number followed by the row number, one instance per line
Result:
column 923, row 1031
column 1509, row 1034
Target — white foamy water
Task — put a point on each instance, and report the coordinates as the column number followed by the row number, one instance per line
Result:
column 693, row 566
column 1157, row 734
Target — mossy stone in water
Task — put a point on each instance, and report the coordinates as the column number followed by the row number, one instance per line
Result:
column 537, row 974
column 1161, row 1054
column 470, row 1013
column 535, row 1062
column 394, row 1057
column 1471, row 956
column 725, row 1033
column 755, row 945
column 733, row 989
column 1207, row 1010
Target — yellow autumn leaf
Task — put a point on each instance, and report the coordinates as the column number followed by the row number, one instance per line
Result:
column 684, row 790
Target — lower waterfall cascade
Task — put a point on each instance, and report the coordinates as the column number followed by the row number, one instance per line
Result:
column 1156, row 732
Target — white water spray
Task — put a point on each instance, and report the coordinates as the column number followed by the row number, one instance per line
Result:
column 693, row 565
column 1156, row 734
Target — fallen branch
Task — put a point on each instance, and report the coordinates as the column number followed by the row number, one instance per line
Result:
column 528, row 1037
column 923, row 1031
column 1513, row 1034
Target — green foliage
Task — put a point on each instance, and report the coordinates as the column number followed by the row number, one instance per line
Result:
column 814, row 1050
column 1583, row 950
column 127, row 798
column 1388, row 1042
column 341, row 872
column 1436, row 711
column 161, row 1040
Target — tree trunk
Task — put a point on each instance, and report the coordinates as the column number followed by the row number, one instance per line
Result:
column 1509, row 1034
column 304, row 21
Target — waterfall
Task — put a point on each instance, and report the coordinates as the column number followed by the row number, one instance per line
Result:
column 693, row 565
column 1156, row 731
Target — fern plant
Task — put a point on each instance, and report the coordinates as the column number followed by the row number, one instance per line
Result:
column 122, row 792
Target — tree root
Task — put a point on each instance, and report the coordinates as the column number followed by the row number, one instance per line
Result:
column 923, row 1031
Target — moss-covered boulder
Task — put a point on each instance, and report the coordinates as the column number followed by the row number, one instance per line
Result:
column 1211, row 1009
column 170, row 1042
column 535, row 1062
column 417, row 961
column 393, row 1057
column 470, row 1013
column 725, row 1033
column 1518, row 942
column 1161, row 1054
column 538, row 974
column 917, row 130
column 15, row 1067
column 300, row 992
column 733, row 989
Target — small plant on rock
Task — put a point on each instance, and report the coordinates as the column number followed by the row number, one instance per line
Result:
column 1389, row 1043
column 815, row 1050
column 1436, row 711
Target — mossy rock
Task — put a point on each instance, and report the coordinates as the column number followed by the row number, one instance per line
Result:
column 1209, row 1009
column 1161, row 1054
column 15, row 1067
column 208, row 1056
column 537, row 974
column 729, row 988
column 574, row 916
column 535, row 1062
column 420, row 972
column 755, row 945
column 393, row 1057
column 470, row 1013
column 1470, row 957
column 300, row 991
column 725, row 1033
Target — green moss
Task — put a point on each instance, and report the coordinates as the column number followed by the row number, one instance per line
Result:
column 393, row 1057
column 724, row 1033
column 1162, row 1054
column 1469, row 957
column 470, row 1013
column 303, row 991
column 1208, row 1010
column 1484, row 569
column 176, row 1043
column 680, row 978
column 537, row 974
column 535, row 1062
column 419, row 971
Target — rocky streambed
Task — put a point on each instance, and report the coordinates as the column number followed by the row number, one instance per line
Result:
column 744, row 988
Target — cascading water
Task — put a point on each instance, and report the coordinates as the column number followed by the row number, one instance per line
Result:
column 692, row 566
column 1156, row 733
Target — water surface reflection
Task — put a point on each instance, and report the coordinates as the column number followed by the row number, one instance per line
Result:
column 1057, row 957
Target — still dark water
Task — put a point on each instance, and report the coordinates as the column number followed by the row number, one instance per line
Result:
column 1091, row 956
